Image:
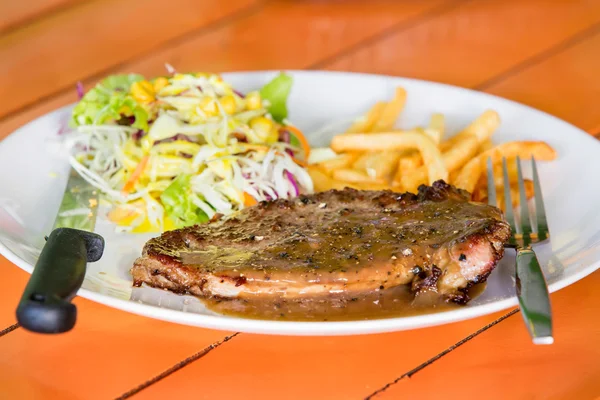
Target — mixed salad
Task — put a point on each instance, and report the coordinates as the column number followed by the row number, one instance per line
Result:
column 175, row 150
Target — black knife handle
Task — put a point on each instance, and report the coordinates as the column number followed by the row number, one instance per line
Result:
column 58, row 274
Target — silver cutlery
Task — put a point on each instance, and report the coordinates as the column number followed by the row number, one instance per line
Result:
column 532, row 290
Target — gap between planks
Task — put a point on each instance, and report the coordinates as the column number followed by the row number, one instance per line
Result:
column 430, row 361
column 176, row 367
column 224, row 21
column 542, row 56
column 180, row 365
column 400, row 26
column 9, row 329
column 445, row 7
column 40, row 14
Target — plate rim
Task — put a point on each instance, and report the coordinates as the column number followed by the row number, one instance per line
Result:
column 320, row 328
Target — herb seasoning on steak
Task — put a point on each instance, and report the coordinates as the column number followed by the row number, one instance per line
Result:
column 341, row 241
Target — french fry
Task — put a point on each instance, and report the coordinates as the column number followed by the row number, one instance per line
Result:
column 321, row 181
column 438, row 123
column 355, row 176
column 383, row 166
column 434, row 168
column 483, row 126
column 463, row 147
column 363, row 160
column 470, row 173
column 481, row 129
column 480, row 193
column 431, row 133
column 341, row 161
column 486, row 145
column 514, row 194
column 447, row 144
column 409, row 161
column 511, row 169
column 365, row 123
column 377, row 165
column 453, row 176
column 390, row 113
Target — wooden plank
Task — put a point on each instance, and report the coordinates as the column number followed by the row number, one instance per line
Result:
column 294, row 368
column 304, row 35
column 53, row 54
column 16, row 13
column 470, row 44
column 502, row 363
column 107, row 353
column 565, row 85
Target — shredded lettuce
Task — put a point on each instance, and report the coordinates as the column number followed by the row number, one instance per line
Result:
column 108, row 101
column 277, row 92
column 121, row 82
column 177, row 202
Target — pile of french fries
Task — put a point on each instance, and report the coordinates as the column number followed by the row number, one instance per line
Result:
column 373, row 155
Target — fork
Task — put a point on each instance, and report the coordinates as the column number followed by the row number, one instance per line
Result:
column 532, row 290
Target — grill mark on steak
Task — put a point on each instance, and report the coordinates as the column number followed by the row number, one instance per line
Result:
column 331, row 242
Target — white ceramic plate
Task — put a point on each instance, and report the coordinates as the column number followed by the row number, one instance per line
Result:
column 34, row 173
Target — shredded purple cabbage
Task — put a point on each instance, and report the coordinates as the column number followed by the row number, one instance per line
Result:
column 242, row 95
column 267, row 197
column 289, row 175
column 138, row 135
column 170, row 69
column 284, row 136
column 64, row 125
column 80, row 91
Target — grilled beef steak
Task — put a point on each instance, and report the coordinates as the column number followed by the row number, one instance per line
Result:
column 332, row 242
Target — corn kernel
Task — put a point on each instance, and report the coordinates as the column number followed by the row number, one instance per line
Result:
column 160, row 83
column 253, row 101
column 228, row 104
column 209, row 107
column 142, row 91
column 262, row 126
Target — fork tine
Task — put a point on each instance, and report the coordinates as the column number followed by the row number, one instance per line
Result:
column 540, row 210
column 525, row 218
column 491, row 184
column 508, row 208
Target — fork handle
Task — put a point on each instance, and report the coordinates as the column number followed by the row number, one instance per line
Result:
column 534, row 298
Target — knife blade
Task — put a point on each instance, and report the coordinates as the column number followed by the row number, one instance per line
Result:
column 45, row 306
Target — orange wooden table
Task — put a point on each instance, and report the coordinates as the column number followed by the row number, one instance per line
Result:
column 542, row 53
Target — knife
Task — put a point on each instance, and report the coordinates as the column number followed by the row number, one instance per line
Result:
column 45, row 306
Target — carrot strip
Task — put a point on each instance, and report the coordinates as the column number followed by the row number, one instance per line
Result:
column 301, row 138
column 249, row 200
column 300, row 162
column 135, row 176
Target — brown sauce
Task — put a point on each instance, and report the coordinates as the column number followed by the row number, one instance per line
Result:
column 387, row 303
